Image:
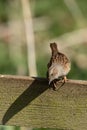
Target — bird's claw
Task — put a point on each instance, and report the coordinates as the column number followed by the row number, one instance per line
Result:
column 64, row 80
column 54, row 86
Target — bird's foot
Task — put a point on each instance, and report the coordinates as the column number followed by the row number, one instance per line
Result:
column 64, row 80
column 54, row 86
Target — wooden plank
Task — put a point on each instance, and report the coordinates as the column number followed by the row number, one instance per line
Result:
column 26, row 101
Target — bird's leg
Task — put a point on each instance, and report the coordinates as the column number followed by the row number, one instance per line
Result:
column 54, row 85
column 65, row 79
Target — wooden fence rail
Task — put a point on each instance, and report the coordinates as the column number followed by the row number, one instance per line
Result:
column 26, row 101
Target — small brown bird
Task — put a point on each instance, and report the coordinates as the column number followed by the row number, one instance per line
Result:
column 58, row 67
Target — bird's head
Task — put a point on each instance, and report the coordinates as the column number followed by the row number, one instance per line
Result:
column 53, row 74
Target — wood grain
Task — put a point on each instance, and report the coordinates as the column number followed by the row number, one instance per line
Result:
column 26, row 101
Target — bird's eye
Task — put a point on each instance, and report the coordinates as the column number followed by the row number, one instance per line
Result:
column 51, row 74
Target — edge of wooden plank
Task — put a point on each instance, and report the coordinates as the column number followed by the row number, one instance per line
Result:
column 70, row 81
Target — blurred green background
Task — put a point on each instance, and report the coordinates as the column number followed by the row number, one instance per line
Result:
column 61, row 21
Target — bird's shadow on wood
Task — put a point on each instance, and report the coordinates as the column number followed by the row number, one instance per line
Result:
column 33, row 91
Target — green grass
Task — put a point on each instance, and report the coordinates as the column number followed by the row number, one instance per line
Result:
column 6, row 65
column 3, row 11
column 9, row 127
column 77, row 73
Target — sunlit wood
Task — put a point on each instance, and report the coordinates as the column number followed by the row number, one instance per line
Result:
column 26, row 101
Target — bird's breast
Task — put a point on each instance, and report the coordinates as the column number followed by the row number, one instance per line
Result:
column 60, row 69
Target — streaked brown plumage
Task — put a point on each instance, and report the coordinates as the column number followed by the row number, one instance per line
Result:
column 58, row 66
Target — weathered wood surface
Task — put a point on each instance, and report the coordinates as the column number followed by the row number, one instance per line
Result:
column 26, row 101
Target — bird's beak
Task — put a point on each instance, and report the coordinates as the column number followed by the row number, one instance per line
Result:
column 50, row 81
